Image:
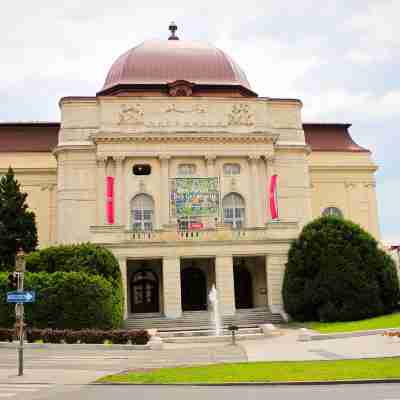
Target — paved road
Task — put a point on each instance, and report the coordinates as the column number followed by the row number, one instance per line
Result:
column 84, row 366
column 365, row 392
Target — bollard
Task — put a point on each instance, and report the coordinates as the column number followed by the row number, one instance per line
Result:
column 233, row 329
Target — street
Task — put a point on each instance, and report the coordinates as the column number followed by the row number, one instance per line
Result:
column 105, row 392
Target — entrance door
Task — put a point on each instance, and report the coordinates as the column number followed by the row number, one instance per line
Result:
column 144, row 292
column 243, row 287
column 193, row 289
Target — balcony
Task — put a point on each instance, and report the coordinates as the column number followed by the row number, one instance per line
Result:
column 111, row 234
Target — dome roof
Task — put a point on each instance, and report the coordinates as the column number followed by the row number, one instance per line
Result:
column 162, row 62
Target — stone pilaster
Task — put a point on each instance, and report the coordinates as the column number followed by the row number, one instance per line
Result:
column 275, row 270
column 210, row 164
column 119, row 190
column 256, row 203
column 101, row 190
column 171, row 272
column 164, row 190
column 225, row 284
column 124, row 275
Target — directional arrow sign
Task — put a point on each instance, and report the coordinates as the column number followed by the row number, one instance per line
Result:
column 21, row 297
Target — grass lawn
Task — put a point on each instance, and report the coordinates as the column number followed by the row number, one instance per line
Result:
column 385, row 321
column 377, row 368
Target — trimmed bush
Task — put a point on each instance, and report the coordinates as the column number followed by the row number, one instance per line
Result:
column 85, row 257
column 72, row 300
column 336, row 272
column 6, row 335
column 88, row 336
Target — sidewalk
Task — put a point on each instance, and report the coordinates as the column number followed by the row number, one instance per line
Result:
column 287, row 348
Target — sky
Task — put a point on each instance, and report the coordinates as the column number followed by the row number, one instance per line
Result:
column 341, row 58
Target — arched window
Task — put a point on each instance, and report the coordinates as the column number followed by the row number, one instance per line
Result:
column 234, row 210
column 142, row 210
column 332, row 212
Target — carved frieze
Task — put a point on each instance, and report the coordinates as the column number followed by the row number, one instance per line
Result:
column 197, row 108
column 240, row 115
column 132, row 115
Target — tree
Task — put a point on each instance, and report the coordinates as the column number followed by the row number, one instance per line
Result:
column 337, row 272
column 17, row 223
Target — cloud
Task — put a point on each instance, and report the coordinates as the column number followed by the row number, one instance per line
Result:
column 340, row 58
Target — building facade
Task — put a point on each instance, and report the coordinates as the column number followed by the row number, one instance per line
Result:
column 169, row 167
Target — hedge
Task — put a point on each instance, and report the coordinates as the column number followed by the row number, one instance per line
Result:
column 73, row 300
column 336, row 272
column 82, row 336
column 87, row 258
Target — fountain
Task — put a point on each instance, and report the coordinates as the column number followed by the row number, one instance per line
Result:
column 216, row 317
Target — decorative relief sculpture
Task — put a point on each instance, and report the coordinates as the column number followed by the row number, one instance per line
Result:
column 240, row 115
column 131, row 115
column 172, row 108
column 180, row 88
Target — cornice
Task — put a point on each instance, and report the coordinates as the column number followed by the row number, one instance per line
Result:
column 343, row 167
column 70, row 147
column 31, row 171
column 186, row 138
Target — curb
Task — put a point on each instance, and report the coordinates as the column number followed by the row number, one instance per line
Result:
column 274, row 383
column 77, row 346
column 342, row 335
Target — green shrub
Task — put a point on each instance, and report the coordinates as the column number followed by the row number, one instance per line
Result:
column 85, row 257
column 336, row 272
column 90, row 336
column 72, row 300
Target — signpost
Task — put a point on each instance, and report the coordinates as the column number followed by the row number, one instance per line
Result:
column 20, row 297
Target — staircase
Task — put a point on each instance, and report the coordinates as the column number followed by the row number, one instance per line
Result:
column 201, row 320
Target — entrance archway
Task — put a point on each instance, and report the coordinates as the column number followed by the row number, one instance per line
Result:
column 193, row 289
column 243, row 286
column 144, row 292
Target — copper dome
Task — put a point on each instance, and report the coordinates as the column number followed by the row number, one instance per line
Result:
column 162, row 62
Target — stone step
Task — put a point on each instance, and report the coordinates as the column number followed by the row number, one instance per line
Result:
column 201, row 320
column 210, row 339
column 205, row 332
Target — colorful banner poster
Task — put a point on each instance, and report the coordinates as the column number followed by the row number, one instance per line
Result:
column 110, row 199
column 194, row 197
column 273, row 199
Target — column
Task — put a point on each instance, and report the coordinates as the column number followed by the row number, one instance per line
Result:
column 124, row 276
column 275, row 270
column 101, row 190
column 257, row 219
column 171, row 272
column 225, row 284
column 210, row 164
column 119, row 190
column 164, row 190
column 269, row 159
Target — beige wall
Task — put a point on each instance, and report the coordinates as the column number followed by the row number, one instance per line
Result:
column 37, row 174
column 345, row 181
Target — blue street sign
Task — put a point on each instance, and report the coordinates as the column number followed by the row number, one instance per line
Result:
column 21, row 297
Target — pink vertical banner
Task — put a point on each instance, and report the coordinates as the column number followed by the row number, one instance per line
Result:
column 110, row 199
column 273, row 199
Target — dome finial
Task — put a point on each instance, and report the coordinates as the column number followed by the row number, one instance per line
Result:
column 173, row 28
